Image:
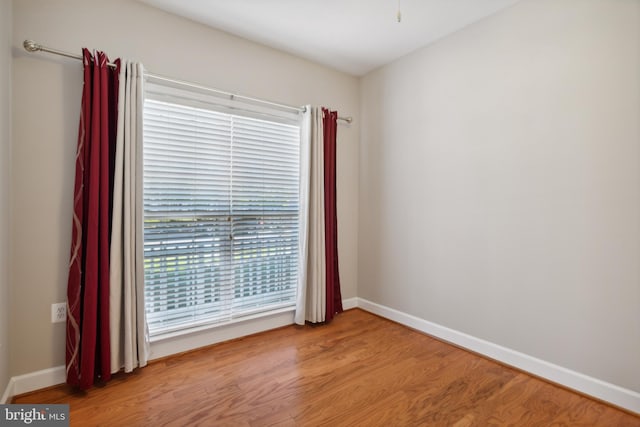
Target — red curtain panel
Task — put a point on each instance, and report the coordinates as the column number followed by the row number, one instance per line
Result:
column 87, row 348
column 334, row 297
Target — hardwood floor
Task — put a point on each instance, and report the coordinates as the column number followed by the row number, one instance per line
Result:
column 360, row 370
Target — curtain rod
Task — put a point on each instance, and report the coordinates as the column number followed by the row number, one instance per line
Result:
column 31, row 46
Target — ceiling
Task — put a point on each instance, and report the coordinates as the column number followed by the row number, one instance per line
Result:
column 354, row 36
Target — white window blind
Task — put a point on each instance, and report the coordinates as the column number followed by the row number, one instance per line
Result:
column 221, row 213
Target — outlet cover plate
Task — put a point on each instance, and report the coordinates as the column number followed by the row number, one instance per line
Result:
column 58, row 312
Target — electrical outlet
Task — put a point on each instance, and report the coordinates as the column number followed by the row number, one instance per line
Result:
column 58, row 312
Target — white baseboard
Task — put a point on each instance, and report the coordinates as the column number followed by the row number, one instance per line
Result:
column 8, row 393
column 34, row 381
column 349, row 303
column 618, row 396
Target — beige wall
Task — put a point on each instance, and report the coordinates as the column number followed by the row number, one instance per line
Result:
column 5, row 144
column 46, row 106
column 500, row 184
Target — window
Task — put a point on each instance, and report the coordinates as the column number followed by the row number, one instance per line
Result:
column 221, row 190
